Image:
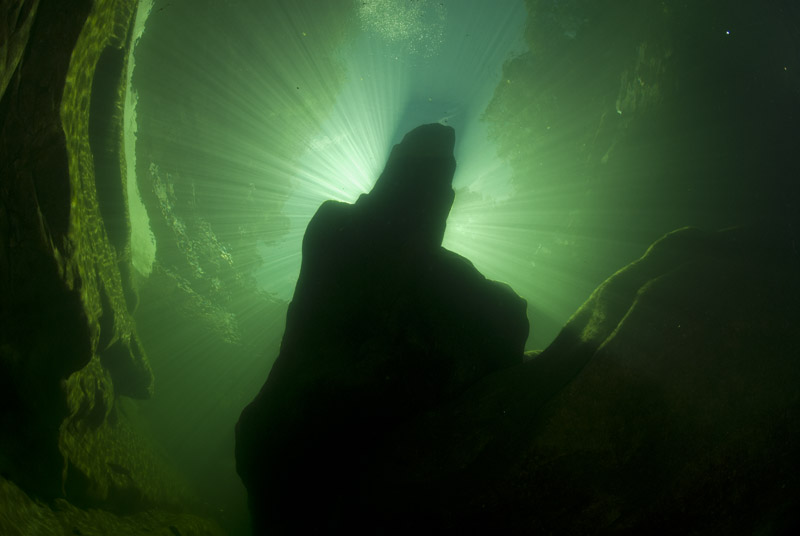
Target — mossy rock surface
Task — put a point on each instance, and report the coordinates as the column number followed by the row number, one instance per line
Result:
column 70, row 356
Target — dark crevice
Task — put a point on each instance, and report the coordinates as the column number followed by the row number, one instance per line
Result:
column 117, row 361
column 105, row 141
column 106, row 321
column 22, row 15
column 97, row 414
column 128, row 288
column 127, row 366
column 32, row 129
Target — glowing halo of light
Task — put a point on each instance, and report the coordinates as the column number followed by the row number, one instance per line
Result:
column 391, row 85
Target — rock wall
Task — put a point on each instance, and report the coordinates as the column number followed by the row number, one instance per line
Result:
column 666, row 405
column 70, row 356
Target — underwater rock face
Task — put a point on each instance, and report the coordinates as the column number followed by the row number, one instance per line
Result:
column 384, row 325
column 71, row 449
column 668, row 404
column 22, row 516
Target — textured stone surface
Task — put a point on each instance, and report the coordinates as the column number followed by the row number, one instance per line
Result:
column 70, row 356
column 22, row 516
column 384, row 325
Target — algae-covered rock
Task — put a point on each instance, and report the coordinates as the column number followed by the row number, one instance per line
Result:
column 15, row 21
column 22, row 516
column 70, row 356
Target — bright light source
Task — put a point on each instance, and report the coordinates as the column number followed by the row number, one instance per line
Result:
column 408, row 64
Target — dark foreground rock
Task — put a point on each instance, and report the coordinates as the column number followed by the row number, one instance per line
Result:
column 668, row 404
column 75, row 457
column 385, row 324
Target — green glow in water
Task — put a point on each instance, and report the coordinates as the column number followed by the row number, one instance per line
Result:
column 585, row 131
column 404, row 65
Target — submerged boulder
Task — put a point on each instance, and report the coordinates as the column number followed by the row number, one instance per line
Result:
column 385, row 324
column 668, row 404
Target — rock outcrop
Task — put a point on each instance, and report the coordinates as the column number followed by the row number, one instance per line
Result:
column 70, row 355
column 668, row 404
column 385, row 324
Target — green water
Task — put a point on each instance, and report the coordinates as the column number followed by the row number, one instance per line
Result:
column 585, row 130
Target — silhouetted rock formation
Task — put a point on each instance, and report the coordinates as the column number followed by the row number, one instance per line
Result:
column 385, row 324
column 667, row 405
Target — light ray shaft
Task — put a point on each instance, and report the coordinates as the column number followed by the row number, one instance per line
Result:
column 392, row 83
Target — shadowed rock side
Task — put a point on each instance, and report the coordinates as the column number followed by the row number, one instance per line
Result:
column 75, row 457
column 667, row 405
column 384, row 325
